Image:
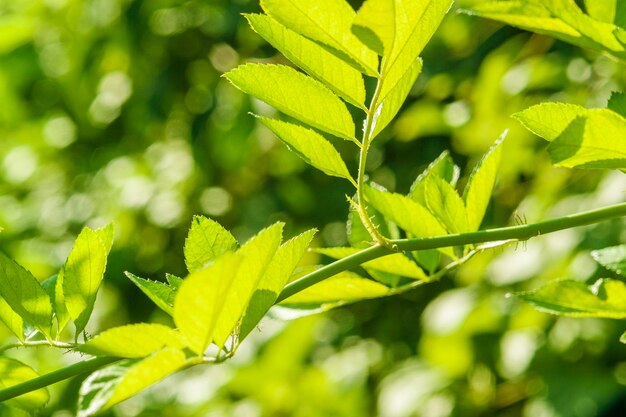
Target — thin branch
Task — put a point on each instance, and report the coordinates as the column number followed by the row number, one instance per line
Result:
column 521, row 232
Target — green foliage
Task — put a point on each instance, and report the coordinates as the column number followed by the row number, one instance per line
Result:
column 578, row 136
column 161, row 294
column 14, row 372
column 603, row 28
column 206, row 241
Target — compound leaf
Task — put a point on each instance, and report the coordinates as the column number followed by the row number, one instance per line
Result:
column 115, row 383
column 295, row 94
column 327, row 22
column 315, row 60
column 15, row 372
column 445, row 203
column 22, row 292
column 309, row 145
column 206, row 240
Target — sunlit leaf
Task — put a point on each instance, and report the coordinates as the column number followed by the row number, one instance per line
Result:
column 602, row 10
column 442, row 167
column 328, row 22
column 276, row 276
column 206, row 240
column 480, row 184
column 133, row 341
column 11, row 319
column 605, row 298
column 115, row 383
column 446, row 204
column 15, row 372
column 549, row 120
column 613, row 259
column 160, row 293
column 295, row 94
column 22, row 292
column 315, row 60
column 617, row 103
column 407, row 214
column 82, row 274
column 256, row 254
column 343, row 287
column 200, row 300
column 309, row 145
column 396, row 263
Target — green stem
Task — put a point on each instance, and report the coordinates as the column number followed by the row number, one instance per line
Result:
column 78, row 368
column 522, row 232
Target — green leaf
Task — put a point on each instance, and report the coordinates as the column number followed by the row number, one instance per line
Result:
column 22, row 292
column 549, row 120
column 316, row 61
column 161, row 294
column 115, row 383
column 602, row 10
column 445, row 203
column 206, row 240
column 617, row 103
column 397, row 263
column 15, row 372
column 390, row 103
column 613, row 259
column 480, row 184
column 276, row 276
column 11, row 319
column 310, row 146
column 327, row 22
column 549, row 18
column 606, row 298
column 174, row 281
column 82, row 274
column 442, row 167
column 257, row 254
column 584, row 143
column 200, row 300
column 344, row 287
column 406, row 213
column 295, row 94
column 374, row 25
column 133, row 341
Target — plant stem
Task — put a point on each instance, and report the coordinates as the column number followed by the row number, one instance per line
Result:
column 42, row 381
column 522, row 232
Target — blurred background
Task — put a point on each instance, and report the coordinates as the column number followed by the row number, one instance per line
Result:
column 114, row 111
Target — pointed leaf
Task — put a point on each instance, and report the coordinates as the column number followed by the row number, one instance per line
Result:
column 390, row 103
column 445, row 203
column 316, row 61
column 206, row 240
column 613, row 259
column 11, row 319
column 115, row 383
column 174, row 281
column 133, row 341
column 327, row 22
column 310, row 146
column 22, row 292
column 549, row 120
column 617, row 103
column 257, row 254
column 397, row 263
column 406, row 213
column 295, row 94
column 160, row 293
column 344, row 287
column 200, row 300
column 480, row 184
column 276, row 276
column 605, row 298
column 15, row 372
column 442, row 167
column 82, row 274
